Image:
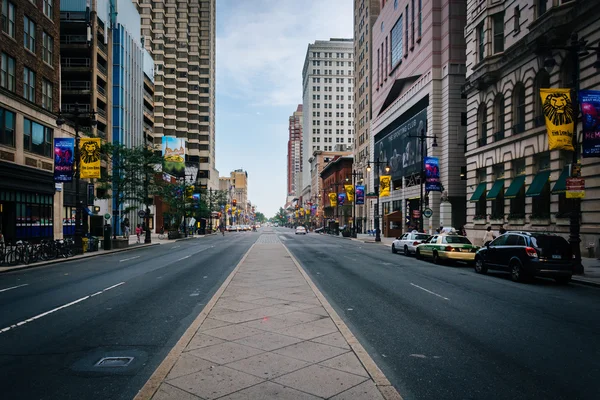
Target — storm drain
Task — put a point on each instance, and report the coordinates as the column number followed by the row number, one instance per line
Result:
column 113, row 362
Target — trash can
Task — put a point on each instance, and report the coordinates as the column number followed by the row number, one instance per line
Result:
column 107, row 237
column 85, row 244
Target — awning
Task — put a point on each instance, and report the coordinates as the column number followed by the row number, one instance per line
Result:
column 87, row 211
column 561, row 184
column 515, row 187
column 479, row 191
column 538, row 184
column 496, row 189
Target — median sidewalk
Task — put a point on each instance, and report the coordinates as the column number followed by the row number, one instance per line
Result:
column 268, row 333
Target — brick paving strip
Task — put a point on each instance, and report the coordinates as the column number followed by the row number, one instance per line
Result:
column 268, row 333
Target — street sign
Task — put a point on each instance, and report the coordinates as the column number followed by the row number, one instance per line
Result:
column 575, row 188
column 428, row 213
column 141, row 213
column 416, row 214
column 107, row 216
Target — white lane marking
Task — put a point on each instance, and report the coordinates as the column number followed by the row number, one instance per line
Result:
column 176, row 247
column 8, row 328
column 429, row 291
column 130, row 258
column 183, row 258
column 14, row 287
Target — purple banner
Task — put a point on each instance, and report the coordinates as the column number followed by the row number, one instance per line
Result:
column 359, row 194
column 341, row 198
column 64, row 149
column 590, row 110
column 432, row 175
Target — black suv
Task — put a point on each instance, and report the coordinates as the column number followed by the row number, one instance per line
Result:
column 527, row 254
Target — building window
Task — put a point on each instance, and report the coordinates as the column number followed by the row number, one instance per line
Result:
column 517, row 19
column 517, row 202
column 47, row 94
column 37, row 138
column 7, row 127
column 406, row 32
column 381, row 26
column 519, row 108
column 420, row 19
column 48, row 8
column 396, row 43
column 540, row 204
column 542, row 81
column 480, row 43
column 498, row 33
column 499, row 117
column 7, row 75
column 541, row 7
column 412, row 26
column 29, row 84
column 482, row 125
column 395, row 4
column 481, row 204
column 8, row 18
column 48, row 48
column 29, row 34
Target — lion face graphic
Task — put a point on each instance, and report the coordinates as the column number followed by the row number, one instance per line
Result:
column 558, row 109
column 90, row 152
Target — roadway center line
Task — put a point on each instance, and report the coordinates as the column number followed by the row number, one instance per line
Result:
column 183, row 258
column 8, row 328
column 14, row 287
column 130, row 258
column 429, row 291
column 176, row 247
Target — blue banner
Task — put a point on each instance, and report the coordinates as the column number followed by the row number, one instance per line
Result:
column 590, row 110
column 341, row 198
column 64, row 149
column 359, row 194
column 432, row 175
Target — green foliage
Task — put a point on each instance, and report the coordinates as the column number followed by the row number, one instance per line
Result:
column 260, row 217
column 281, row 216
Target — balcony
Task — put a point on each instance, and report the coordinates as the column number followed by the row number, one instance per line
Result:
column 75, row 86
column 519, row 128
column 538, row 121
column 482, row 141
column 102, row 69
column 101, row 113
column 74, row 62
column 101, row 90
column 102, row 48
column 498, row 136
column 70, row 107
column 73, row 39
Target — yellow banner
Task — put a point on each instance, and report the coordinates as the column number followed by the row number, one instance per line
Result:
column 89, row 158
column 332, row 199
column 558, row 110
column 349, row 192
column 385, row 183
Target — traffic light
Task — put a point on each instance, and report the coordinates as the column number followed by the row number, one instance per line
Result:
column 297, row 206
column 234, row 202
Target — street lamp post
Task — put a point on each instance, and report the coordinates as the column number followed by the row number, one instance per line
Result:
column 377, row 163
column 576, row 48
column 185, row 222
column 210, row 210
column 76, row 114
column 422, row 137
column 355, row 174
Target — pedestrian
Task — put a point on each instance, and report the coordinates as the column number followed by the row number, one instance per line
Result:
column 1, row 238
column 501, row 231
column 126, row 225
column 463, row 231
column 138, row 232
column 488, row 236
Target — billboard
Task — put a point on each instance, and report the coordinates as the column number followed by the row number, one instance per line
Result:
column 560, row 124
column 64, row 150
column 432, row 175
column 590, row 110
column 173, row 151
column 360, row 194
column 399, row 151
column 89, row 160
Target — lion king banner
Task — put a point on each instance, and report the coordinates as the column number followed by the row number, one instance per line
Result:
column 349, row 192
column 89, row 159
column 558, row 111
column 333, row 199
column 385, row 183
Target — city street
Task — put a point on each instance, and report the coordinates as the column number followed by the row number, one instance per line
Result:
column 444, row 332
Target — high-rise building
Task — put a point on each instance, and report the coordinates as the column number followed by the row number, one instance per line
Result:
column 294, row 156
column 514, row 49
column 365, row 15
column 327, row 101
column 181, row 38
column 418, row 69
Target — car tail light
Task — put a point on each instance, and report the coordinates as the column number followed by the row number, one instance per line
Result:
column 531, row 252
column 449, row 248
column 416, row 243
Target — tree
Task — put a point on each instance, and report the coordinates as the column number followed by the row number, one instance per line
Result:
column 281, row 216
column 173, row 195
column 260, row 217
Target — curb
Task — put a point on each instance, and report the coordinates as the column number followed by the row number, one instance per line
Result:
column 586, row 282
column 61, row 260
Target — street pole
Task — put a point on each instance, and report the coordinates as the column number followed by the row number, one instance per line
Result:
column 78, row 230
column 210, row 210
column 421, row 179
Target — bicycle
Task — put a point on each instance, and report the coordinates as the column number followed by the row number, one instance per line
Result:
column 161, row 235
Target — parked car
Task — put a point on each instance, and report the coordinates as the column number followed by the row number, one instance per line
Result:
column 300, row 230
column 408, row 242
column 527, row 254
column 447, row 247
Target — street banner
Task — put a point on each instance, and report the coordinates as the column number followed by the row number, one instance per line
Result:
column 341, row 198
column 360, row 194
column 173, row 151
column 349, row 192
column 558, row 110
column 575, row 188
column 432, row 175
column 590, row 110
column 89, row 160
column 385, row 182
column 332, row 199
column 64, row 149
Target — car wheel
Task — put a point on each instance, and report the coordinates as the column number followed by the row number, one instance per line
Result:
column 405, row 250
column 394, row 249
column 436, row 258
column 516, row 272
column 480, row 267
column 418, row 255
column 563, row 280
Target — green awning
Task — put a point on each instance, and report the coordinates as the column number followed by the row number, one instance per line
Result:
column 496, row 189
column 479, row 191
column 561, row 184
column 515, row 187
column 538, row 184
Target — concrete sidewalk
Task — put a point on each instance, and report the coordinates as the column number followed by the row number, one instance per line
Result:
column 268, row 334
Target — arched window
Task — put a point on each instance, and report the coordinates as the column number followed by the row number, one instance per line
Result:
column 518, row 106
column 499, row 117
column 542, row 81
column 482, row 125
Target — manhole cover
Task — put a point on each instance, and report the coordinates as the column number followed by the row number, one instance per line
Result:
column 110, row 362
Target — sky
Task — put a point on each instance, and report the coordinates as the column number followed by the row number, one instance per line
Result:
column 261, row 46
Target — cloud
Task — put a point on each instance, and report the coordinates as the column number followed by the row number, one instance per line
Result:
column 261, row 48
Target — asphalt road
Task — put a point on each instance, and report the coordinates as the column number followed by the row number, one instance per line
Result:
column 445, row 332
column 57, row 322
